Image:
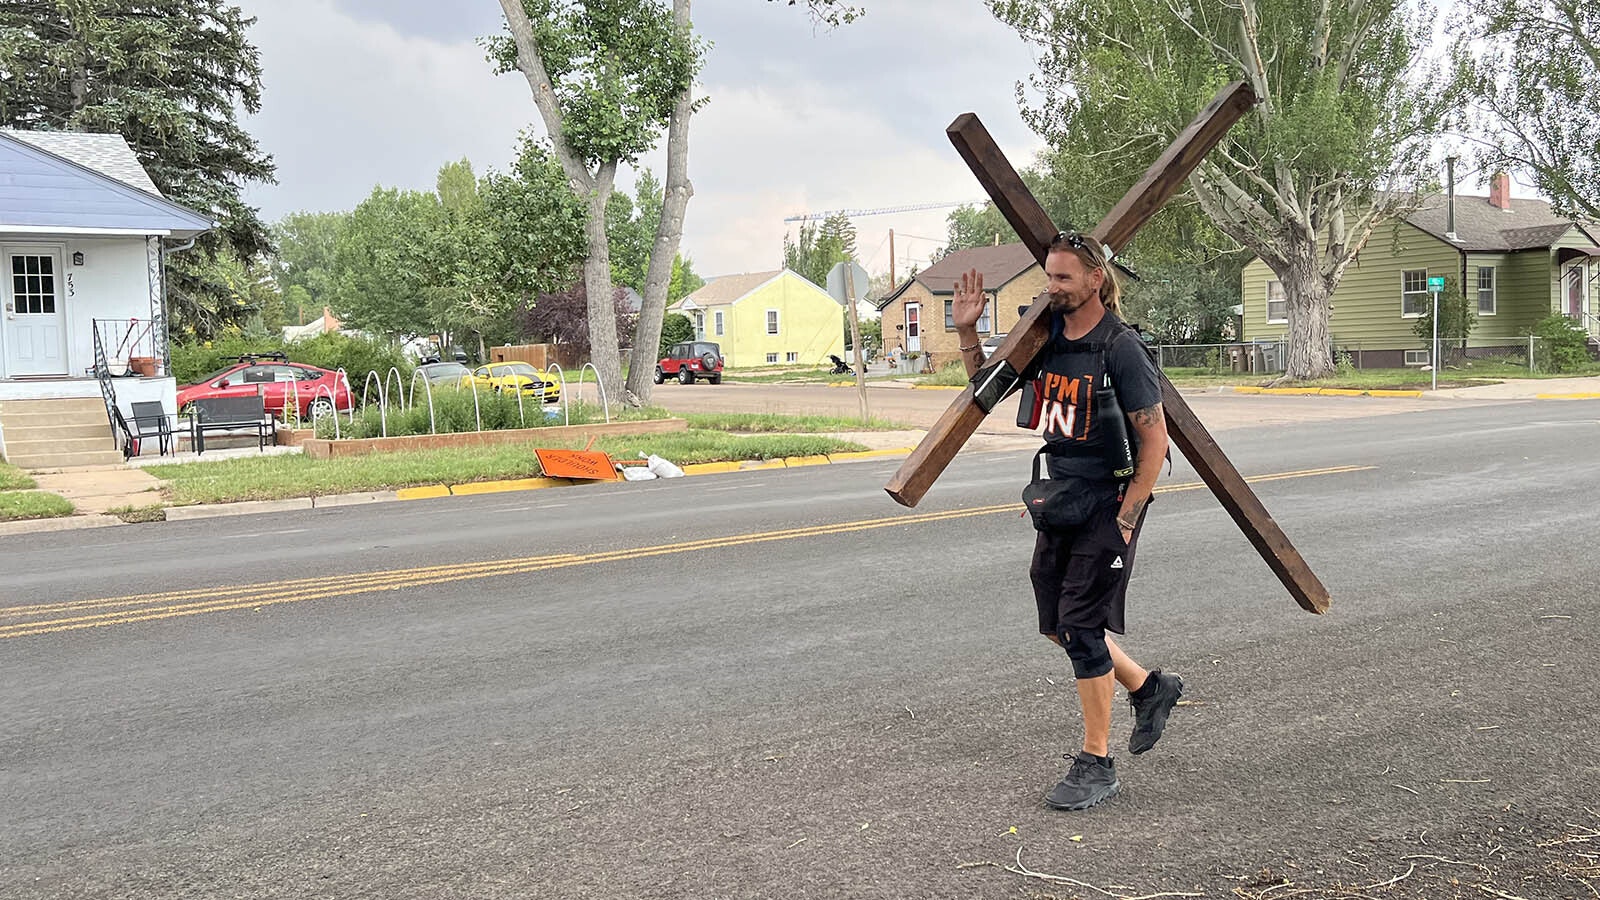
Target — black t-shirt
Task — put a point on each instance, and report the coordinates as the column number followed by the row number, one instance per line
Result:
column 1065, row 376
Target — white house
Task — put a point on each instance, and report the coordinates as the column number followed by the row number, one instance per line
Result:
column 84, row 236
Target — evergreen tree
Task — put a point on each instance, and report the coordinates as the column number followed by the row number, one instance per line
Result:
column 170, row 76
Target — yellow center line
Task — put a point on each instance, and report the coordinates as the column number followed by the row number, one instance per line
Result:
column 171, row 604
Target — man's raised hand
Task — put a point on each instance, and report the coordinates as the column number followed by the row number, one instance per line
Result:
column 968, row 305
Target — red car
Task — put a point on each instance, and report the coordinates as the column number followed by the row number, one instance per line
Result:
column 691, row 360
column 283, row 385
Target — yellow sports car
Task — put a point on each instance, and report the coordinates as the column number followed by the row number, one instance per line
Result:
column 518, row 376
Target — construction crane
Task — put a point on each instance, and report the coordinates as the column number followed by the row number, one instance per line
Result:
column 884, row 210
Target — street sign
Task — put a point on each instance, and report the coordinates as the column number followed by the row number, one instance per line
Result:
column 1435, row 284
column 860, row 283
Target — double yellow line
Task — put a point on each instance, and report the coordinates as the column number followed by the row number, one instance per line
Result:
column 52, row 618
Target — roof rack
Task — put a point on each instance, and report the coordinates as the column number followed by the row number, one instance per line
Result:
column 273, row 355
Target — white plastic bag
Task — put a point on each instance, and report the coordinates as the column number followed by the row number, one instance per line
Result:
column 636, row 473
column 661, row 467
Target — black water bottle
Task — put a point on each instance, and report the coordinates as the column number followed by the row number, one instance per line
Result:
column 1119, row 450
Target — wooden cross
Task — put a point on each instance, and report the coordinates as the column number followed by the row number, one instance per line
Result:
column 1022, row 344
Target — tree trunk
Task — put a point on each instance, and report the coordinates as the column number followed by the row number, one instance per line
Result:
column 597, row 284
column 669, row 231
column 1308, row 354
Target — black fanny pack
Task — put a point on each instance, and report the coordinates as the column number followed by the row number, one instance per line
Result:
column 1060, row 504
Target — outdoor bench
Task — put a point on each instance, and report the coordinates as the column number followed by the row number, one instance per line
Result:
column 229, row 414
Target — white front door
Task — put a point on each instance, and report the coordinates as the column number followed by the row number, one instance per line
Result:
column 913, row 328
column 35, row 314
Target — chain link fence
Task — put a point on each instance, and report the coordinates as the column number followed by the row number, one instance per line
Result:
column 1267, row 357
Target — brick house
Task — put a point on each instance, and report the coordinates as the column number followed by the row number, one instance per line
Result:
column 916, row 316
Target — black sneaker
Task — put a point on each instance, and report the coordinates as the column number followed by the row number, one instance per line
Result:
column 1150, row 714
column 1089, row 782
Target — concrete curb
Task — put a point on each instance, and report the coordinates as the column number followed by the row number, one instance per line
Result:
column 424, row 492
column 1567, row 396
column 430, row 491
column 1322, row 392
column 60, row 523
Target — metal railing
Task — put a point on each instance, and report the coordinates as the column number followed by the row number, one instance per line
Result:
column 1251, row 357
column 121, row 434
column 130, row 346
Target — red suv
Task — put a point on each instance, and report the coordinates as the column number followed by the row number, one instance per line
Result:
column 282, row 384
column 691, row 360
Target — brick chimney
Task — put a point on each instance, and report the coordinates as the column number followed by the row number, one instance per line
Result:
column 1500, row 191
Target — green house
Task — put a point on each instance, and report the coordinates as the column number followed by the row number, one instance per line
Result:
column 1518, row 260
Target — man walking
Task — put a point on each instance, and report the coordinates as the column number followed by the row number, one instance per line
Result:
column 1080, row 574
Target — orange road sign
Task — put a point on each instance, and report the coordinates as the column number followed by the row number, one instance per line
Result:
column 589, row 464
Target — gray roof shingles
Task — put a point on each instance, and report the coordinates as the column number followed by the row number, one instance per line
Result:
column 1528, row 224
column 108, row 154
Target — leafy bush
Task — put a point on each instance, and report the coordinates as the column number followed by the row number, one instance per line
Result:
column 453, row 412
column 675, row 329
column 194, row 361
column 1457, row 317
column 1563, row 345
column 358, row 356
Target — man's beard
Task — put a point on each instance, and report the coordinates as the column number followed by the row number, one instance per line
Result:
column 1069, row 302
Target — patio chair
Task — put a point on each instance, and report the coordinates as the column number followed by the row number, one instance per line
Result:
column 150, row 420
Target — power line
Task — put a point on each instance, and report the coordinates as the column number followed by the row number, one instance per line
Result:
column 884, row 210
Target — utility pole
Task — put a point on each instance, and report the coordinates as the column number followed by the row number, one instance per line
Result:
column 855, row 341
column 891, row 260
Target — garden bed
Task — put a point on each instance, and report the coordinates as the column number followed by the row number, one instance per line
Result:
column 318, row 448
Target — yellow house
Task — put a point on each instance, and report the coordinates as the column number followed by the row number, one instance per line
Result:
column 765, row 319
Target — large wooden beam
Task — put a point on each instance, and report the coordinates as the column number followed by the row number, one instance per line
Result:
column 1163, row 179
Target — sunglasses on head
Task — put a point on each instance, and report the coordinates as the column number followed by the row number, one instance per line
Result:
column 1081, row 242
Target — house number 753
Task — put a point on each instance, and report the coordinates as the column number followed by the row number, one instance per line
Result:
column 72, row 290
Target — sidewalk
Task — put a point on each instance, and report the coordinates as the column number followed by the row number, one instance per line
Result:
column 1587, row 388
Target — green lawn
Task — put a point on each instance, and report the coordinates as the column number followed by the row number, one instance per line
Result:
column 19, row 501
column 32, row 505
column 281, row 477
column 794, row 376
column 1468, row 373
column 745, row 423
column 14, row 479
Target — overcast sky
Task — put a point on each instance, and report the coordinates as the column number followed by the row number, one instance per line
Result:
column 800, row 119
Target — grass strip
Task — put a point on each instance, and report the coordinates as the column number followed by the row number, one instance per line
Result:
column 295, row 475
column 155, row 512
column 760, row 423
column 14, row 479
column 16, row 505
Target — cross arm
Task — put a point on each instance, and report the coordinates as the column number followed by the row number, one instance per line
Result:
column 1163, row 179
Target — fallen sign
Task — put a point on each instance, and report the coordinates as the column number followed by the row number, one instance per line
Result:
column 585, row 464
column 1163, row 179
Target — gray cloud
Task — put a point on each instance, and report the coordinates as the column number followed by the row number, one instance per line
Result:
column 365, row 92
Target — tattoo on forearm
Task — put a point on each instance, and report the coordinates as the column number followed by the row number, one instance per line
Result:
column 1147, row 417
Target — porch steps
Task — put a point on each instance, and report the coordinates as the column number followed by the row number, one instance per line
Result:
column 42, row 434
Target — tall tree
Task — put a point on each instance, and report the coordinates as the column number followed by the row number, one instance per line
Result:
column 386, row 262
column 1536, row 71
column 535, row 225
column 818, row 248
column 975, row 226
column 607, row 76
column 829, row 12
column 172, row 77
column 1338, row 142
column 305, row 263
column 631, row 225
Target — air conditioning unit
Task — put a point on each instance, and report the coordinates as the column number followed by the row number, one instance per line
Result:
column 1417, row 358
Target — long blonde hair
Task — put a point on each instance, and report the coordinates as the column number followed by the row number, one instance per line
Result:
column 1093, row 255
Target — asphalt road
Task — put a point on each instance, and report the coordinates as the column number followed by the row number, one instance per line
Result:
column 781, row 684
